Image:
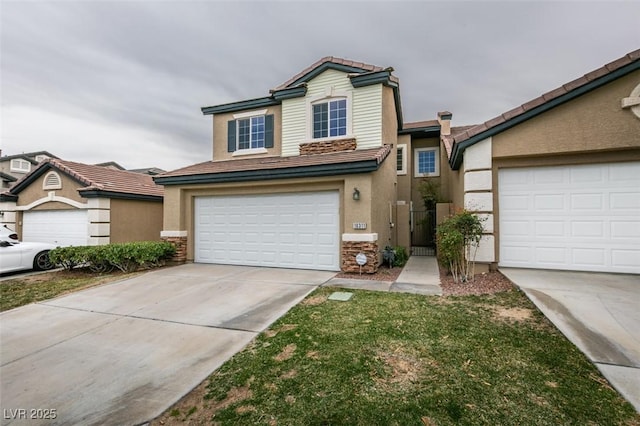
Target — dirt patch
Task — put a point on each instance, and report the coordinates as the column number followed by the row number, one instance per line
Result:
column 313, row 355
column 487, row 283
column 314, row 300
column 401, row 370
column 195, row 402
column 289, row 374
column 513, row 314
column 284, row 327
column 383, row 274
column 286, row 353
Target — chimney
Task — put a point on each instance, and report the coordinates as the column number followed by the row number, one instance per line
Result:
column 444, row 118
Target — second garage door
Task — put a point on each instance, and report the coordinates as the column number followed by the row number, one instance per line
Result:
column 583, row 217
column 59, row 227
column 296, row 230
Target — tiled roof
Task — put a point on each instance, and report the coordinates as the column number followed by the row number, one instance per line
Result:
column 419, row 124
column 455, row 131
column 548, row 97
column 98, row 178
column 272, row 163
column 332, row 59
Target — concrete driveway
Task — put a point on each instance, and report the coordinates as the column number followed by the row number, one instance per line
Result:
column 599, row 313
column 122, row 353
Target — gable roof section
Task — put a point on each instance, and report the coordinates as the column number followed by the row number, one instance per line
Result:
column 97, row 181
column 597, row 78
column 29, row 156
column 359, row 73
column 424, row 129
column 268, row 168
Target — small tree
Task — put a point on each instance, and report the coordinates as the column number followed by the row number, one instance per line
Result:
column 458, row 238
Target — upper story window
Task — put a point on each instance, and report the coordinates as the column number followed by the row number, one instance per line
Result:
column 330, row 118
column 41, row 157
column 427, row 162
column 401, row 159
column 250, row 132
column 21, row 166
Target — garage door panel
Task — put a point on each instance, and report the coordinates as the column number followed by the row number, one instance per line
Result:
column 298, row 230
column 59, row 227
column 589, row 220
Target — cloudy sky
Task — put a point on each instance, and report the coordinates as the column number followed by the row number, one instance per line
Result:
column 124, row 81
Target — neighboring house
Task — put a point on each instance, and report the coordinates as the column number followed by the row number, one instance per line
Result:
column 153, row 171
column 68, row 203
column 324, row 168
column 13, row 167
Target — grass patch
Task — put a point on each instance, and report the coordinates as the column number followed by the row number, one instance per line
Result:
column 35, row 288
column 402, row 359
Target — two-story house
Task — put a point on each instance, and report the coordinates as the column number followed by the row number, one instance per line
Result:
column 324, row 168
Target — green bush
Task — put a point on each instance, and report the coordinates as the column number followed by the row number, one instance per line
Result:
column 127, row 257
column 458, row 238
column 401, row 256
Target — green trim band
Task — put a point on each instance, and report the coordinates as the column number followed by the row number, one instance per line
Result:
column 289, row 93
column 119, row 195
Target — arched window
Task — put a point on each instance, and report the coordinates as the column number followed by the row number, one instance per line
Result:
column 52, row 181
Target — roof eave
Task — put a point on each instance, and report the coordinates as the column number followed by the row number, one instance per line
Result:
column 458, row 148
column 119, row 195
column 426, row 131
column 240, row 106
column 319, row 170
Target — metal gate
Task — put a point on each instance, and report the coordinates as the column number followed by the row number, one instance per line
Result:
column 423, row 232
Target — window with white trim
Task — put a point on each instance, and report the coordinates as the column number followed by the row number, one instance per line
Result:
column 329, row 118
column 401, row 159
column 21, row 166
column 41, row 157
column 52, row 181
column 427, row 162
column 250, row 133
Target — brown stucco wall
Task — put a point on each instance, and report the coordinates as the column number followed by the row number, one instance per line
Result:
column 383, row 202
column 418, row 203
column 404, row 181
column 389, row 117
column 591, row 123
column 133, row 220
column 35, row 192
column 220, row 134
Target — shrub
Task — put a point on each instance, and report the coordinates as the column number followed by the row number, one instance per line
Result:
column 127, row 257
column 458, row 238
column 394, row 256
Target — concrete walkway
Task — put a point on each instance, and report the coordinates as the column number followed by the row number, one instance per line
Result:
column 597, row 312
column 419, row 276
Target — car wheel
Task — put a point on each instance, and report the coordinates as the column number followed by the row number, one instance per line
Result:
column 41, row 262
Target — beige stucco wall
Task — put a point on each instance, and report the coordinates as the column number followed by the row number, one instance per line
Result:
column 593, row 122
column 133, row 220
column 405, row 180
column 384, row 183
column 389, row 117
column 220, row 134
column 34, row 192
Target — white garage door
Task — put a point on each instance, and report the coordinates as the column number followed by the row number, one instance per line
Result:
column 298, row 230
column 584, row 218
column 59, row 227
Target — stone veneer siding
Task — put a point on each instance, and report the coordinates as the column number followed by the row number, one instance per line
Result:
column 181, row 248
column 350, row 250
column 323, row 147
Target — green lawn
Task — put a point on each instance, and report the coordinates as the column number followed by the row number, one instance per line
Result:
column 401, row 359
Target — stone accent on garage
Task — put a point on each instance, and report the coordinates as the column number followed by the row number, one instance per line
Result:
column 179, row 240
column 352, row 245
column 323, row 147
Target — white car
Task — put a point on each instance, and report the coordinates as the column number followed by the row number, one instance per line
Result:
column 17, row 256
column 6, row 233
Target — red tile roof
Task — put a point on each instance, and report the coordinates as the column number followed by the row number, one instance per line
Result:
column 419, row 124
column 332, row 59
column 271, row 163
column 107, row 179
column 540, row 100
